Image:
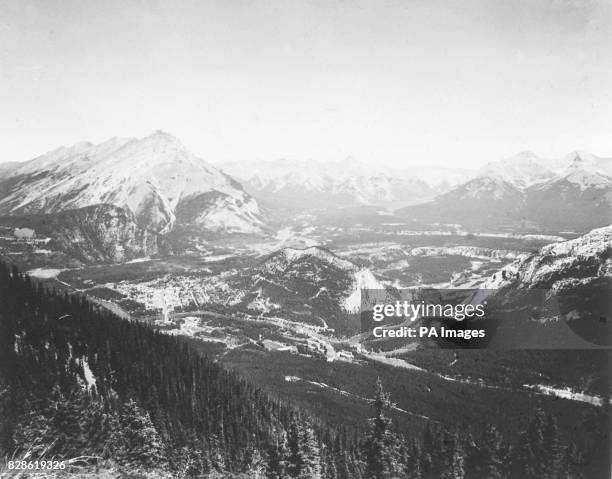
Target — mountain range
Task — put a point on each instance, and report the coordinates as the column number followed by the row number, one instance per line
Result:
column 142, row 193
column 308, row 184
column 503, row 189
column 572, row 194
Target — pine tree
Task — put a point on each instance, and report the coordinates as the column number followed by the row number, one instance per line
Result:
column 137, row 442
column 311, row 460
column 380, row 445
column 412, row 463
column 458, row 465
column 294, row 457
column 554, row 462
column 277, row 463
column 256, row 468
column 455, row 460
column 490, row 455
column 527, row 457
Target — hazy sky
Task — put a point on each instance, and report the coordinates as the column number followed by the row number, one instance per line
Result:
column 407, row 82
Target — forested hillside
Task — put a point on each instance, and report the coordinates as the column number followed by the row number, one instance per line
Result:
column 78, row 381
column 81, row 385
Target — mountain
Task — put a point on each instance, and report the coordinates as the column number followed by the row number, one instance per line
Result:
column 571, row 280
column 583, row 260
column 521, row 171
column 312, row 184
column 156, row 179
column 100, row 233
column 7, row 167
column 570, row 194
column 578, row 198
column 312, row 283
column 604, row 165
column 481, row 201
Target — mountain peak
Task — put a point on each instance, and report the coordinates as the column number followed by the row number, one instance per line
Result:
column 287, row 256
column 161, row 134
column 155, row 178
column 163, row 137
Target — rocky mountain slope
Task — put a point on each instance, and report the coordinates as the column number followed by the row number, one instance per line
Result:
column 564, row 265
column 100, row 233
column 581, row 261
column 313, row 282
column 571, row 280
column 155, row 179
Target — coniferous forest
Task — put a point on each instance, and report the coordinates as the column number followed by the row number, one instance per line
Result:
column 81, row 385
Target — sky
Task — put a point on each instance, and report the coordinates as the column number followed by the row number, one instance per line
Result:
column 411, row 82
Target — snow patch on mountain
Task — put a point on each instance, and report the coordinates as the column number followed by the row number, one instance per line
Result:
column 586, row 175
column 567, row 393
column 520, row 171
column 363, row 279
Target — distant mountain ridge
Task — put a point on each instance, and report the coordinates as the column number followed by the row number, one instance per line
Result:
column 307, row 184
column 154, row 178
column 572, row 194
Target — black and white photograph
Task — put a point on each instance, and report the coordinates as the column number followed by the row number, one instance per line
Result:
column 306, row 239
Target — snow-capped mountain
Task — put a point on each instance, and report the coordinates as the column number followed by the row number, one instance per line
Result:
column 588, row 172
column 481, row 201
column 573, row 193
column 521, row 171
column 578, row 198
column 603, row 165
column 310, row 184
column 154, row 178
column 526, row 168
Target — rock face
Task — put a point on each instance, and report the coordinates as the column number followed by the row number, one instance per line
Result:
column 101, row 233
column 569, row 264
column 151, row 178
column 580, row 261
